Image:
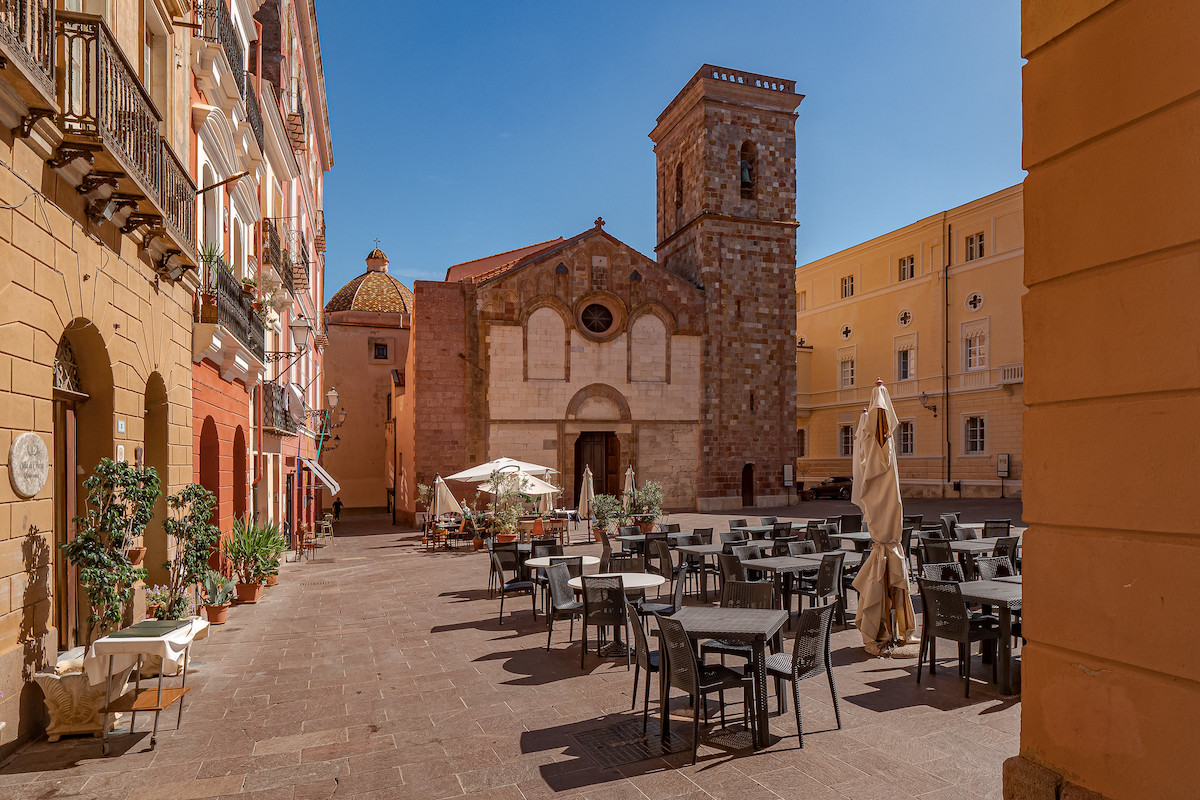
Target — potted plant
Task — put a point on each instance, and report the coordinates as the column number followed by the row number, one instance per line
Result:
column 249, row 285
column 136, row 555
column 218, row 593
column 506, row 505
column 646, row 505
column 121, row 497
column 274, row 546
column 425, row 500
column 193, row 536
column 156, row 598
column 248, row 550
column 210, row 255
column 605, row 509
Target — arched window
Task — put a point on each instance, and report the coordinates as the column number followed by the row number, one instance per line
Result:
column 748, row 166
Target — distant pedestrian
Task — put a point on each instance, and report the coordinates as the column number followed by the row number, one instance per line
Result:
column 337, row 508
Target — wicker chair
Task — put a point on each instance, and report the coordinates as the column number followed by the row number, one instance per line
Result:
column 963, row 533
column 739, row 594
column 643, row 659
column 603, row 605
column 650, row 549
column 562, row 598
column 996, row 528
column 1007, row 546
column 705, row 534
column 646, row 608
column 732, row 538
column 502, row 561
column 828, row 586
column 821, row 537
column 661, row 562
column 683, row 672
column 626, row 562
column 493, row 575
column 804, row 548
column 906, row 546
column 737, row 523
column 668, row 527
column 539, row 575
column 730, row 567
column 606, row 559
column 990, row 568
column 913, row 520
column 630, row 530
column 946, row 616
column 768, row 520
column 780, row 530
column 851, row 523
column 809, row 659
column 935, row 550
column 746, row 553
column 948, row 523
column 945, row 571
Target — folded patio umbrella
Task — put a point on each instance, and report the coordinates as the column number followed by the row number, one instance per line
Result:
column 587, row 495
column 630, row 487
column 484, row 472
column 443, row 500
column 882, row 582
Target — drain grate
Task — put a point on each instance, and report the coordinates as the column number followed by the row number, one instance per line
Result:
column 316, row 583
column 626, row 743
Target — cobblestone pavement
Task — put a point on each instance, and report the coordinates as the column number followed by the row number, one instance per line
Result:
column 381, row 671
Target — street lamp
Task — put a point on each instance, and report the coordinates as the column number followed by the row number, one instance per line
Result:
column 332, row 397
column 924, row 398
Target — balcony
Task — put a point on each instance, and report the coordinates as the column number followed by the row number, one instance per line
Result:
column 27, row 40
column 216, row 26
column 276, row 418
column 272, row 248
column 228, row 331
column 300, row 262
column 254, row 117
column 295, row 122
column 319, row 238
column 110, row 124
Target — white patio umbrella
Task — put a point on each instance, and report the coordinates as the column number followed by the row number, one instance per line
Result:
column 630, row 487
column 587, row 495
column 484, row 472
column 443, row 500
column 527, row 484
column 882, row 582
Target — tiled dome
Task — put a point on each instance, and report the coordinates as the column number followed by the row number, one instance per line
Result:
column 372, row 291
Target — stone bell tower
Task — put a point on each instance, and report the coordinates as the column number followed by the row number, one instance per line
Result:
column 726, row 163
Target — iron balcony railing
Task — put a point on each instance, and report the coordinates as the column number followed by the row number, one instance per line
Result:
column 216, row 25
column 275, row 411
column 300, row 262
column 104, row 102
column 253, row 114
column 232, row 310
column 27, row 36
column 272, row 245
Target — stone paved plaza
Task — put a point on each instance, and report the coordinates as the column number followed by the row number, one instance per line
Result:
column 380, row 671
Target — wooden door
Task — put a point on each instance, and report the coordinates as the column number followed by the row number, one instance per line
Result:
column 589, row 452
column 66, row 493
column 748, row 485
column 612, row 464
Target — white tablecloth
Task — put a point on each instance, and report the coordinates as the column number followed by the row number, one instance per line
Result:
column 125, row 651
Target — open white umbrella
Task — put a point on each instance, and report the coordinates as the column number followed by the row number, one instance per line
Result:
column 483, row 472
column 629, row 489
column 526, row 484
column 443, row 500
column 882, row 582
column 587, row 495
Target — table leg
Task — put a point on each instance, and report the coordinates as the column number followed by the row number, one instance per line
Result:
column 704, row 580
column 107, row 703
column 187, row 652
column 1005, row 650
column 759, row 666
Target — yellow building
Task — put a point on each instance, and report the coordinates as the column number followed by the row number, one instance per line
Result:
column 941, row 329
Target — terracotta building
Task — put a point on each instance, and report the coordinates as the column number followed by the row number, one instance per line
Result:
column 942, row 328
column 98, row 274
column 369, row 321
column 1110, row 684
column 582, row 351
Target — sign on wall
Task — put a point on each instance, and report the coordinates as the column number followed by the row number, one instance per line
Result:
column 1002, row 465
column 29, row 464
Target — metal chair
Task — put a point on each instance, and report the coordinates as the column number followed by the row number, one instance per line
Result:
column 603, row 605
column 946, row 617
column 562, row 598
column 683, row 672
column 809, row 659
column 503, row 560
column 643, row 659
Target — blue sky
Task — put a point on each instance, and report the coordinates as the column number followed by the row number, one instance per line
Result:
column 462, row 129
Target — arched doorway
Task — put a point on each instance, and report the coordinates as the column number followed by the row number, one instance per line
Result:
column 748, row 485
column 210, row 475
column 600, row 450
column 83, row 425
column 239, row 473
column 155, row 428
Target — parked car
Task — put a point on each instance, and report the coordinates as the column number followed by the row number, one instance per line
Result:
column 832, row 487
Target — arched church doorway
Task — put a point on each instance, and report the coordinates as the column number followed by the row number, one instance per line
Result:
column 83, row 426
column 600, row 450
column 210, row 475
column 748, row 485
column 239, row 473
column 155, row 427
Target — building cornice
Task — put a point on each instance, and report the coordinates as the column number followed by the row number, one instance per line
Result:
column 788, row 223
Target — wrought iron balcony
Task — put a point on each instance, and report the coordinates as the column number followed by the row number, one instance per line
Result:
column 300, row 262
column 216, row 25
column 272, row 245
column 27, row 38
column 232, row 308
column 319, row 238
column 108, row 119
column 295, row 121
column 275, row 412
column 253, row 114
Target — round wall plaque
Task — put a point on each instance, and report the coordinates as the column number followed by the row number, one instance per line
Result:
column 28, row 464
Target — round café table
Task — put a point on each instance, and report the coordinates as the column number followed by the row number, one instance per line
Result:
column 546, row 561
column 635, row 583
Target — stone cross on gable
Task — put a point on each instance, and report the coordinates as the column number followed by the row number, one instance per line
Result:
column 975, row 301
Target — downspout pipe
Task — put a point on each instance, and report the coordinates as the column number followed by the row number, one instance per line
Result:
column 946, row 352
column 261, row 460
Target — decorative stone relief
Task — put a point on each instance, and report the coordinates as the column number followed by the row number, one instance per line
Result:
column 74, row 704
column 29, row 464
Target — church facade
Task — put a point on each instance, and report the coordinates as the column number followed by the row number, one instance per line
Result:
column 584, row 352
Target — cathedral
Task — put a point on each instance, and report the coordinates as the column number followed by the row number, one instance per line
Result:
column 581, row 351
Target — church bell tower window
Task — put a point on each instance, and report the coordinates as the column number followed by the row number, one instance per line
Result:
column 748, row 166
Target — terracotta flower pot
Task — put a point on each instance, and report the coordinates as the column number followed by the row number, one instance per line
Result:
column 249, row 592
column 504, row 538
column 152, row 610
column 646, row 527
column 135, row 555
column 272, row 580
column 216, row 614
column 476, row 543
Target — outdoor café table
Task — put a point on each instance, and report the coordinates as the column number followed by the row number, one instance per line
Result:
column 123, row 649
column 758, row 531
column 1005, row 596
column 704, row 551
column 754, row 626
column 638, row 539
column 548, row 561
column 1010, row 579
column 635, row 583
column 861, row 540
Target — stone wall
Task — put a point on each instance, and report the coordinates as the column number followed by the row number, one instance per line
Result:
column 438, row 385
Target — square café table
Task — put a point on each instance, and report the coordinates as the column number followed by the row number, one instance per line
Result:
column 750, row 625
column 759, row 531
column 1006, row 596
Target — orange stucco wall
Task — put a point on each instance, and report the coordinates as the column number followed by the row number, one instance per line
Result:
column 228, row 406
column 1111, row 673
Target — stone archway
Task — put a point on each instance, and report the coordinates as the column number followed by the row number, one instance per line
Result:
column 156, row 456
column 239, row 473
